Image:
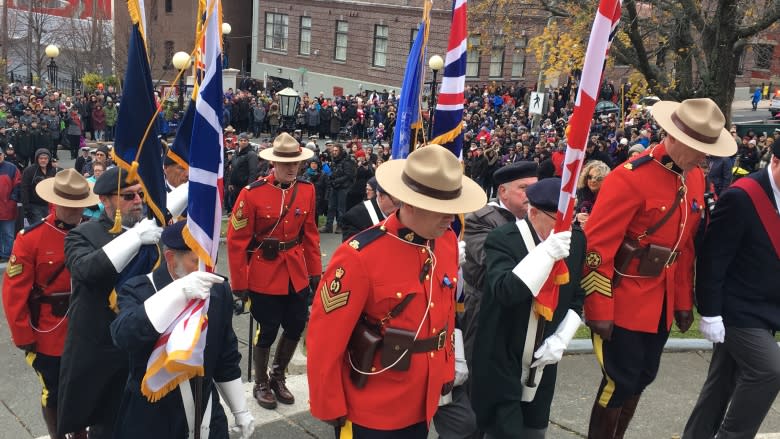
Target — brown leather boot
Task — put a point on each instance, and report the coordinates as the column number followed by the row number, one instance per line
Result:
column 284, row 352
column 629, row 407
column 50, row 417
column 262, row 391
column 603, row 422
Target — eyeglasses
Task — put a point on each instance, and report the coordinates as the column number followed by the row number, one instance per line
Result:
column 548, row 215
column 594, row 177
column 130, row 196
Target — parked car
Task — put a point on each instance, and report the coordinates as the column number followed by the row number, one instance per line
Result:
column 605, row 108
column 774, row 106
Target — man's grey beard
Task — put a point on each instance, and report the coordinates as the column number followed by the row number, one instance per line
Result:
column 129, row 220
column 178, row 270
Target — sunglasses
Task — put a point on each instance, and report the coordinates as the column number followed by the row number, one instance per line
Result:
column 593, row 177
column 130, row 196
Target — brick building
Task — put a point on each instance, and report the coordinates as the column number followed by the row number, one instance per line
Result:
column 171, row 28
column 347, row 46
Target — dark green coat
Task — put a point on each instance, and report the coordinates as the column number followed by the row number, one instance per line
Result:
column 503, row 321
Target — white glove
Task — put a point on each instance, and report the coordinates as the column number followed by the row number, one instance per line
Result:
column 461, row 252
column 535, row 267
column 176, row 200
column 233, row 394
column 551, row 350
column 557, row 245
column 461, row 368
column 148, row 231
column 712, row 329
column 164, row 306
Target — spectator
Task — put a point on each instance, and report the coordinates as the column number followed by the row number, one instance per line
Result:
column 83, row 163
column 274, row 119
column 73, row 131
column 111, row 117
column 10, row 180
column 245, row 167
column 35, row 207
column 99, row 123
column 588, row 185
column 342, row 175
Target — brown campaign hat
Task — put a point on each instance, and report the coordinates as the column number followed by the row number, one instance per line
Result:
column 68, row 189
column 431, row 178
column 698, row 123
column 286, row 149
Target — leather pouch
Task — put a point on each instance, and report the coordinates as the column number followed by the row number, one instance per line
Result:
column 628, row 250
column 362, row 347
column 397, row 349
column 653, row 260
column 270, row 248
column 59, row 304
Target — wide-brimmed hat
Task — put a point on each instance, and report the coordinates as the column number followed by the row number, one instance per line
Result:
column 431, row 178
column 698, row 123
column 68, row 189
column 286, row 149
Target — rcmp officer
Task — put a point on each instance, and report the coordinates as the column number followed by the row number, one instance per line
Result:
column 393, row 393
column 519, row 257
column 94, row 370
column 149, row 305
column 274, row 255
column 36, row 287
column 639, row 264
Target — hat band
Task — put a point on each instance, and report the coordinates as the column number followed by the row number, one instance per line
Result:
column 690, row 132
column 68, row 196
column 427, row 190
column 287, row 154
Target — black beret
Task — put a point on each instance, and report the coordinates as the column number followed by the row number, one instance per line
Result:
column 515, row 171
column 168, row 161
column 375, row 185
column 172, row 236
column 107, row 184
column 104, row 150
column 544, row 194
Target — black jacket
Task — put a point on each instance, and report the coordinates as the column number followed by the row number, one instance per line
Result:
column 737, row 270
column 357, row 219
column 31, row 176
column 134, row 334
column 93, row 371
column 245, row 168
column 342, row 172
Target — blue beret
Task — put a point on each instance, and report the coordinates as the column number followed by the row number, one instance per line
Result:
column 515, row 171
column 544, row 194
column 172, row 236
column 375, row 185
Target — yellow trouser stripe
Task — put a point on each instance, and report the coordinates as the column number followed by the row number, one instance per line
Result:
column 257, row 334
column 609, row 388
column 346, row 431
column 30, row 358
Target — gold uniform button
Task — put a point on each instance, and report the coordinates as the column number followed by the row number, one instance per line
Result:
column 285, row 221
column 398, row 294
column 422, row 250
column 663, row 208
column 432, row 304
column 268, row 216
column 433, row 331
column 427, row 276
column 51, row 262
column 373, row 369
column 455, row 279
column 431, row 354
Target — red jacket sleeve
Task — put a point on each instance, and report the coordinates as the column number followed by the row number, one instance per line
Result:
column 17, row 282
column 239, row 235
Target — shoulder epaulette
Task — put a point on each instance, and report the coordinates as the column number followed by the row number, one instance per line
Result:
column 366, row 237
column 30, row 227
column 255, row 184
column 637, row 162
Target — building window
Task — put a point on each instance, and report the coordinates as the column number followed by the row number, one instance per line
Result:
column 413, row 36
column 497, row 57
column 342, row 27
column 518, row 58
column 472, row 57
column 380, row 45
column 763, row 55
column 276, row 28
column 168, row 55
column 168, row 6
column 304, row 47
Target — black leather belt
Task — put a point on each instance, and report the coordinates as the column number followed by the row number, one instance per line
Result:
column 436, row 343
column 289, row 244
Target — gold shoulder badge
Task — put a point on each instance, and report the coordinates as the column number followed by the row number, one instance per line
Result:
column 669, row 165
column 354, row 244
column 331, row 295
column 13, row 269
column 409, row 236
column 593, row 260
column 237, row 220
column 596, row 282
column 629, row 166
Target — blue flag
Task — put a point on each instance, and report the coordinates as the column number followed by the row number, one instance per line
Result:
column 137, row 147
column 409, row 100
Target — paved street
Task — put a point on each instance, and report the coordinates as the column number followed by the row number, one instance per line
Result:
column 661, row 414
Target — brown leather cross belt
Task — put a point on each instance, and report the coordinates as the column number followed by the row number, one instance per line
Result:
column 436, row 343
